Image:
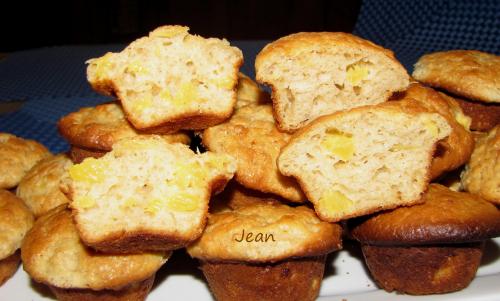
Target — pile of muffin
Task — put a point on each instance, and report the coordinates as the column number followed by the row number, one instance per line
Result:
column 346, row 145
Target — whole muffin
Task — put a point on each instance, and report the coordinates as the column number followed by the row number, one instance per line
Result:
column 482, row 173
column 265, row 251
column 431, row 248
column 15, row 221
column 92, row 131
column 18, row 156
column 40, row 189
column 53, row 254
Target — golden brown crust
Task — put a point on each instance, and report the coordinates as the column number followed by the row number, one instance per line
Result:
column 468, row 73
column 40, row 188
column 15, row 221
column 456, row 149
column 78, row 154
column 445, row 216
column 297, row 43
column 135, row 292
column 482, row 173
column 251, row 137
column 98, row 128
column 298, row 279
column 8, row 266
column 485, row 116
column 17, row 157
column 53, row 254
column 423, row 270
column 266, row 232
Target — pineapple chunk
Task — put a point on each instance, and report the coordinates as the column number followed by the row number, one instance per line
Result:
column 165, row 95
column 338, row 143
column 463, row 120
column 187, row 175
column 224, row 83
column 136, row 67
column 84, row 202
column 91, row 170
column 142, row 104
column 154, row 206
column 431, row 127
column 103, row 65
column 334, row 201
column 356, row 73
column 130, row 203
column 187, row 93
column 184, row 202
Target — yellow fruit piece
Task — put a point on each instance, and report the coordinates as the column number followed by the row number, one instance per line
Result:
column 154, row 206
column 184, row 202
column 339, row 144
column 399, row 147
column 463, row 120
column 84, row 202
column 218, row 162
column 165, row 95
column 169, row 31
column 224, row 83
column 431, row 127
column 137, row 67
column 142, row 104
column 103, row 65
column 135, row 144
column 130, row 203
column 356, row 73
column 189, row 174
column 186, row 93
column 334, row 201
column 91, row 170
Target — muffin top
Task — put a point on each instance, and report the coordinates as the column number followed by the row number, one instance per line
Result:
column 101, row 126
column 266, row 232
column 446, row 216
column 17, row 156
column 15, row 220
column 53, row 254
column 40, row 188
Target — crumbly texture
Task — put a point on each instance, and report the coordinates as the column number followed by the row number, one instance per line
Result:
column 265, row 232
column 251, row 137
column 8, row 266
column 248, row 92
column 423, row 270
column 318, row 73
column 15, row 221
column 171, row 80
column 17, row 157
column 40, row 188
column 485, row 116
column 98, row 128
column 294, row 280
column 467, row 73
column 446, row 216
column 135, row 292
column 456, row 149
column 78, row 154
column 364, row 160
column 482, row 173
column 146, row 194
column 53, row 254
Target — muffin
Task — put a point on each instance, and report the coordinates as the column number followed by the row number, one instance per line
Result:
column 366, row 159
column 251, row 137
column 53, row 254
column 146, row 194
column 482, row 173
column 92, row 131
column 40, row 189
column 18, row 156
column 456, row 149
column 248, row 92
column 467, row 73
column 15, row 221
column 265, row 251
column 431, row 248
column 318, row 73
column 171, row 79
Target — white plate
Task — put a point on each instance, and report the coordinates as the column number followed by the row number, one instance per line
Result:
column 346, row 278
